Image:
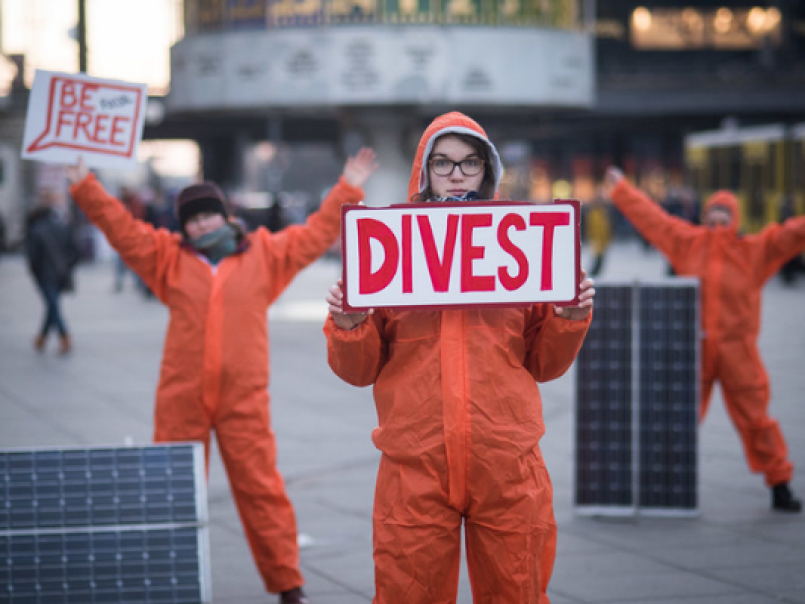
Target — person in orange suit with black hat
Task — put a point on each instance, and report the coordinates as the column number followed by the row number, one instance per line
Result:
column 218, row 282
column 459, row 413
column 732, row 270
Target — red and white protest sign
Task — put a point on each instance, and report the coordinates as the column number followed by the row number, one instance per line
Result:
column 72, row 115
column 451, row 255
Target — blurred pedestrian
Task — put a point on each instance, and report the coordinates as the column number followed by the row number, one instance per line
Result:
column 459, row 412
column 218, row 283
column 598, row 230
column 276, row 218
column 132, row 202
column 681, row 202
column 789, row 270
column 732, row 270
column 52, row 254
column 160, row 215
column 159, row 212
column 3, row 243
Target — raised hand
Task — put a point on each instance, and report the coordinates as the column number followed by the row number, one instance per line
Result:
column 585, row 305
column 360, row 166
column 335, row 304
column 78, row 172
column 612, row 177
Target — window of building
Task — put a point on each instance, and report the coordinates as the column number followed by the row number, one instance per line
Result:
column 705, row 28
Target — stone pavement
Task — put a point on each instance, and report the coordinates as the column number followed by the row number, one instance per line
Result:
column 736, row 551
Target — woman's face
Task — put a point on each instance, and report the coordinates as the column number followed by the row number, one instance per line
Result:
column 203, row 223
column 447, row 176
column 717, row 216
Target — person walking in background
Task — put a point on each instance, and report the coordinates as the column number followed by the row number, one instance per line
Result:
column 732, row 270
column 159, row 211
column 133, row 204
column 159, row 214
column 789, row 270
column 598, row 229
column 218, row 283
column 459, row 412
column 52, row 254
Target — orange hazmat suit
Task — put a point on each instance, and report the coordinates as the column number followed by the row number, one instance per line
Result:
column 214, row 372
column 459, row 424
column 732, row 270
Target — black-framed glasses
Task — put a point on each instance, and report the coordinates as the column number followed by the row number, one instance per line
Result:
column 442, row 166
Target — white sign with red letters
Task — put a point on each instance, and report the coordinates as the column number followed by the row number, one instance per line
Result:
column 72, row 115
column 457, row 254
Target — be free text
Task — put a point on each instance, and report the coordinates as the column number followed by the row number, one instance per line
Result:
column 90, row 116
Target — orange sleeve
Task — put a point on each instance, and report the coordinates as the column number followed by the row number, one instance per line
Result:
column 667, row 233
column 141, row 246
column 552, row 342
column 781, row 242
column 358, row 355
column 297, row 246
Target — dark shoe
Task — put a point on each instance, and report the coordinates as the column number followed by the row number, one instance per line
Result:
column 65, row 344
column 294, row 596
column 39, row 343
column 782, row 499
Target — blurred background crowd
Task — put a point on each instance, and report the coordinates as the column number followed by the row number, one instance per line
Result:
column 266, row 97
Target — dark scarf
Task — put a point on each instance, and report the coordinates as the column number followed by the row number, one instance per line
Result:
column 217, row 244
column 468, row 196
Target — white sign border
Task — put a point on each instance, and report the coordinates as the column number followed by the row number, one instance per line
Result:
column 36, row 123
column 575, row 214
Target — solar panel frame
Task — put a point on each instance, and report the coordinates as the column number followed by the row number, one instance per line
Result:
column 104, row 524
column 663, row 348
column 604, row 375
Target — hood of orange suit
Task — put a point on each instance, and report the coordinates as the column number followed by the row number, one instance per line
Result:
column 449, row 123
column 725, row 199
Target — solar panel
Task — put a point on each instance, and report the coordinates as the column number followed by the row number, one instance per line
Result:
column 604, row 402
column 637, row 392
column 126, row 524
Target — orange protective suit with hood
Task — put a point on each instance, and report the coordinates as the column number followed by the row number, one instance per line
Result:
column 460, row 419
column 214, row 372
column 732, row 270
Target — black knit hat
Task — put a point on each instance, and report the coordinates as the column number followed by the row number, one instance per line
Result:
column 202, row 197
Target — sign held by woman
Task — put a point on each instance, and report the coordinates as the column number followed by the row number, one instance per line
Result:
column 459, row 254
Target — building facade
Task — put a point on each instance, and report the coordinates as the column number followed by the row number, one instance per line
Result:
column 276, row 92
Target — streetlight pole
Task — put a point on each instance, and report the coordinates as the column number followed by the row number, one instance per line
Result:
column 82, row 36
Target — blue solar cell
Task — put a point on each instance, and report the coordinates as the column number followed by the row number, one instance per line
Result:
column 664, row 397
column 122, row 508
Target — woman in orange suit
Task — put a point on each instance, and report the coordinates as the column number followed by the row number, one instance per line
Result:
column 732, row 270
column 459, row 412
column 218, row 283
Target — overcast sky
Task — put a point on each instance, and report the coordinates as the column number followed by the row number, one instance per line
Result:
column 126, row 40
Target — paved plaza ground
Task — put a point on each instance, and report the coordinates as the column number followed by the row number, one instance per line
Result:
column 736, row 551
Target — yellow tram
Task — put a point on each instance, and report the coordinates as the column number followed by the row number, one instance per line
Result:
column 763, row 165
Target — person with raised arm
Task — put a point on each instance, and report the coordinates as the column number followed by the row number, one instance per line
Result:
column 732, row 270
column 218, row 282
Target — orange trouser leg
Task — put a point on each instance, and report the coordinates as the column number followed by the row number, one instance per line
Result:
column 182, row 421
column 706, row 394
column 417, row 537
column 745, row 386
column 249, row 453
column 762, row 439
column 511, row 534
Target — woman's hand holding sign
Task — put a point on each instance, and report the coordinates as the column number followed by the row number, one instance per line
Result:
column 335, row 302
column 351, row 320
column 585, row 305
